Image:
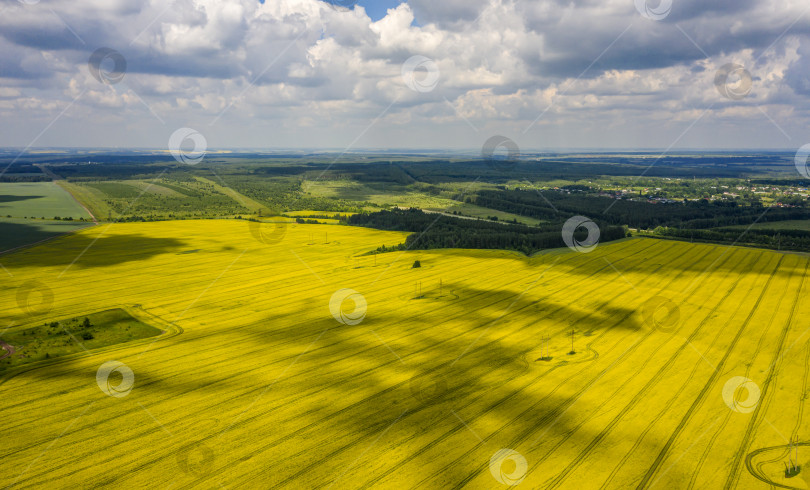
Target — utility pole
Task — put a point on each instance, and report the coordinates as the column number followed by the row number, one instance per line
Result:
column 796, row 453
column 572, row 341
column 545, row 353
column 792, row 467
column 790, row 455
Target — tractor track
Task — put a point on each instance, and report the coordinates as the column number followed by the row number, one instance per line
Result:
column 765, row 389
column 643, row 434
column 653, row 469
column 638, row 396
column 564, row 406
column 719, row 429
column 359, row 403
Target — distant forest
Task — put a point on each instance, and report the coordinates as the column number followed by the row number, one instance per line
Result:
column 701, row 214
column 439, row 231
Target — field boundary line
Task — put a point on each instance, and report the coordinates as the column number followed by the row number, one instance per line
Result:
column 169, row 330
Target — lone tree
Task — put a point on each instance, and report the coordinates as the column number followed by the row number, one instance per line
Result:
column 416, row 264
column 86, row 323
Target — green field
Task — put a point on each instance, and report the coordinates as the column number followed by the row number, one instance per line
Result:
column 160, row 198
column 38, row 200
column 16, row 232
column 60, row 337
column 376, row 194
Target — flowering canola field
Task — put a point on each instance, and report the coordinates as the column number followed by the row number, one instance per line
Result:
column 289, row 359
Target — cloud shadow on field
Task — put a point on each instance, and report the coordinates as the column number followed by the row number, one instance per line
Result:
column 348, row 388
column 83, row 250
column 13, row 235
column 11, row 198
column 72, row 373
column 350, row 367
column 669, row 256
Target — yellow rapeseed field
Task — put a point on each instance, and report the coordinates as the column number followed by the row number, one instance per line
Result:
column 291, row 360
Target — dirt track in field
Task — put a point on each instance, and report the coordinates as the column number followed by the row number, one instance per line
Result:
column 9, row 350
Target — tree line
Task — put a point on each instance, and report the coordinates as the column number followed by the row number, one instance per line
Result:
column 699, row 214
column 431, row 231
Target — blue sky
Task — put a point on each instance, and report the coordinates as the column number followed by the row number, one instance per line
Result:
column 376, row 8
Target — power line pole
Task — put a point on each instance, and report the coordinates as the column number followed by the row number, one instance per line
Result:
column 572, row 342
